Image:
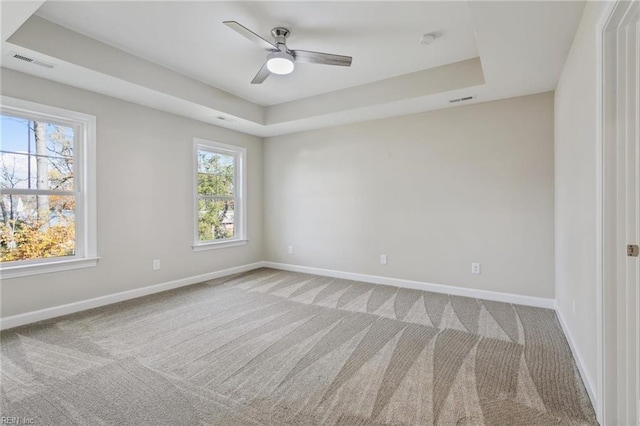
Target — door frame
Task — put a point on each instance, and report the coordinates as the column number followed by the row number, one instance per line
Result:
column 610, row 254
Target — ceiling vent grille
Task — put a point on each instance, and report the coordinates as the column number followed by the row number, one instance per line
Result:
column 30, row 60
column 227, row 119
column 466, row 98
column 21, row 57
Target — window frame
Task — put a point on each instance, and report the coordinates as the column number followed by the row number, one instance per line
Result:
column 84, row 188
column 239, row 185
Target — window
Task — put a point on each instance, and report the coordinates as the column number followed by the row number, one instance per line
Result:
column 47, row 189
column 219, row 195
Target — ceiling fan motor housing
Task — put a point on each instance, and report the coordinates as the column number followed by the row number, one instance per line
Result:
column 280, row 35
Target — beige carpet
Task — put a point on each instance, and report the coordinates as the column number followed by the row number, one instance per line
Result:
column 280, row 348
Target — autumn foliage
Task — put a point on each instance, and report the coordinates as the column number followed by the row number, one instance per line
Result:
column 36, row 240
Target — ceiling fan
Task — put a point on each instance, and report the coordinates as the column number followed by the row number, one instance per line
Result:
column 281, row 60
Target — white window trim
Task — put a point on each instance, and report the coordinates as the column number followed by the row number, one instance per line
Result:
column 84, row 186
column 240, row 181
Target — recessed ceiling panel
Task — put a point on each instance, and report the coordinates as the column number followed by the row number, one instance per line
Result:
column 382, row 37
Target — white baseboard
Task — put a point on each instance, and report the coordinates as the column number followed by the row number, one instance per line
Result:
column 517, row 299
column 586, row 378
column 70, row 308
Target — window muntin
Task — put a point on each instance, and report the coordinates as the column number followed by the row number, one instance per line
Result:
column 47, row 158
column 219, row 193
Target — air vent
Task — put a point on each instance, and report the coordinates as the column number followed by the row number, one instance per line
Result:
column 22, row 58
column 31, row 60
column 466, row 98
column 223, row 118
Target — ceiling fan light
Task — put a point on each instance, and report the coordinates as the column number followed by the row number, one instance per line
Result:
column 280, row 63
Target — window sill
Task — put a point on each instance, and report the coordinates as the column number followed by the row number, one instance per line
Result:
column 17, row 271
column 219, row 245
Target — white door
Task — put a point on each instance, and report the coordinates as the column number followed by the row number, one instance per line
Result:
column 619, row 386
column 633, row 212
column 628, row 135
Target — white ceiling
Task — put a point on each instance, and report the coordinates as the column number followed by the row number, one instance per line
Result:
column 179, row 57
column 383, row 38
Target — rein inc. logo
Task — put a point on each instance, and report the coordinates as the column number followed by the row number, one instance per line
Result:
column 17, row 421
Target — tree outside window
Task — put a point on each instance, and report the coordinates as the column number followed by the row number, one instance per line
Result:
column 219, row 192
column 38, row 199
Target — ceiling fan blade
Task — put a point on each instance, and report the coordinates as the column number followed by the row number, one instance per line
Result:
column 321, row 58
column 246, row 32
column 262, row 75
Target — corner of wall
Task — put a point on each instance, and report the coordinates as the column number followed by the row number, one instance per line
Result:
column 582, row 368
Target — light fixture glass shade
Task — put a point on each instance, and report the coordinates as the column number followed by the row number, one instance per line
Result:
column 280, row 63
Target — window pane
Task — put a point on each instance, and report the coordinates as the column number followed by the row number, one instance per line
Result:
column 37, row 227
column 14, row 171
column 215, row 219
column 53, row 173
column 36, row 155
column 59, row 173
column 17, row 134
column 213, row 162
column 215, row 173
column 218, row 184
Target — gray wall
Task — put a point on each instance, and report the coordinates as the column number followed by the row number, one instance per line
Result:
column 144, row 189
column 434, row 191
column 575, row 183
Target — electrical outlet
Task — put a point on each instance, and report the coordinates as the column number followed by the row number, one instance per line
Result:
column 156, row 264
column 383, row 259
column 475, row 268
column 290, row 249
